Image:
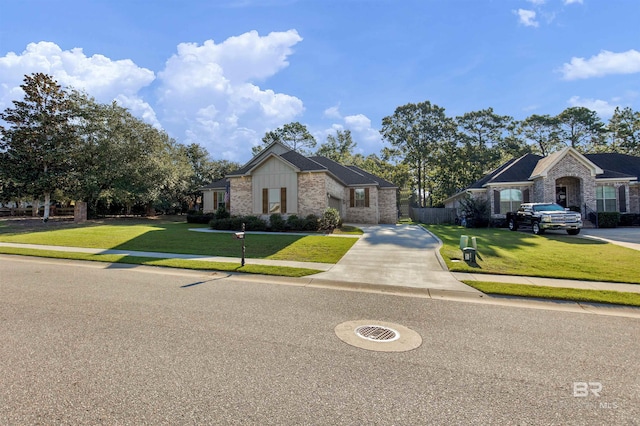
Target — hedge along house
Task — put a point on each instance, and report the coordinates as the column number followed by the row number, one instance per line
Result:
column 280, row 180
column 586, row 183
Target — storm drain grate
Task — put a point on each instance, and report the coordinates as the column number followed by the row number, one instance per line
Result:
column 377, row 333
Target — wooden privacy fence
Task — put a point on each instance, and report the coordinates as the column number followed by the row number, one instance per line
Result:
column 57, row 211
column 433, row 216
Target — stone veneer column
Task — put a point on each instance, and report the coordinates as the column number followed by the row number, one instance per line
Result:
column 241, row 196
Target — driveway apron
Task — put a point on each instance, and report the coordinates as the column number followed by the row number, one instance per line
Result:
column 395, row 255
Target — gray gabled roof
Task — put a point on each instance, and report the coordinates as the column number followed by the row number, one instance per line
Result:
column 345, row 174
column 616, row 165
column 219, row 184
column 515, row 170
column 381, row 182
column 613, row 165
column 348, row 175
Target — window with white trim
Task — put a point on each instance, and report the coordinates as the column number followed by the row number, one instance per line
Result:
column 359, row 195
column 606, row 199
column 274, row 200
column 510, row 200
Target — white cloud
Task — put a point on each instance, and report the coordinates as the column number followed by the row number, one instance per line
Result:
column 537, row 2
column 333, row 112
column 208, row 93
column 602, row 64
column 364, row 134
column 604, row 109
column 527, row 17
column 101, row 77
column 572, row 1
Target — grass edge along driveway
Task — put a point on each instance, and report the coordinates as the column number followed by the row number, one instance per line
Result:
column 176, row 238
column 552, row 256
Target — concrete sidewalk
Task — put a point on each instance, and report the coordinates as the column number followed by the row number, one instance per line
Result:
column 395, row 257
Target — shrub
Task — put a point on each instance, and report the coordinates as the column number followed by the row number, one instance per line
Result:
column 276, row 222
column 253, row 223
column 198, row 217
column 498, row 223
column 608, row 219
column 295, row 223
column 222, row 213
column 312, row 223
column 330, row 219
column 220, row 224
column 630, row 219
column 477, row 212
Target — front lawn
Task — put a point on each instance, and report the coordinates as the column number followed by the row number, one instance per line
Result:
column 557, row 293
column 176, row 238
column 551, row 255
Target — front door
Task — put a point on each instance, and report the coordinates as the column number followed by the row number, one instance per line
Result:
column 561, row 195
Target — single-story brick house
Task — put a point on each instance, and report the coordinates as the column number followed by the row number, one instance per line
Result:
column 280, row 180
column 604, row 182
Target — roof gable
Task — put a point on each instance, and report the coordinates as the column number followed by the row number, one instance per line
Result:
column 514, row 170
column 547, row 163
column 348, row 175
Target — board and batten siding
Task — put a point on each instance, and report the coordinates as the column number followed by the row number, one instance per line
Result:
column 275, row 173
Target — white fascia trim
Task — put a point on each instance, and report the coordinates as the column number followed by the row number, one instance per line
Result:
column 523, row 183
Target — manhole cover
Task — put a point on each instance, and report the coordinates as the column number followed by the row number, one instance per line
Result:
column 378, row 336
column 377, row 333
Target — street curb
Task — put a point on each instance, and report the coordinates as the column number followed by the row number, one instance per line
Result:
column 426, row 293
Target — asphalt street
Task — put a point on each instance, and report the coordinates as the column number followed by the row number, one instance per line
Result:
column 86, row 343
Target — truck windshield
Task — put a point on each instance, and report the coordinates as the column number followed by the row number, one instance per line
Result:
column 548, row 208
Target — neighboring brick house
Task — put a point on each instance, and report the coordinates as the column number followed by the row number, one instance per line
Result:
column 280, row 180
column 584, row 182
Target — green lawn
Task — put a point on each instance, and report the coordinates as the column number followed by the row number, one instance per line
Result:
column 551, row 255
column 173, row 237
column 558, row 293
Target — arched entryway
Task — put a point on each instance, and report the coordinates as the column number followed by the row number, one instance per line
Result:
column 569, row 192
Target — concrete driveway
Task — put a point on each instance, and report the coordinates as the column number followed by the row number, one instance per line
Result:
column 626, row 237
column 395, row 255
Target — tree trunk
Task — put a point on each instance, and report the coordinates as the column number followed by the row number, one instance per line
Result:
column 47, row 205
column 35, row 206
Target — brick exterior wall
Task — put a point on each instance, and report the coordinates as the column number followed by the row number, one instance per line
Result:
column 387, row 205
column 634, row 198
column 488, row 196
column 240, row 200
column 312, row 194
column 363, row 214
column 569, row 166
column 312, row 199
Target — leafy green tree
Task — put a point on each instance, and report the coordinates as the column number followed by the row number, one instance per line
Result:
column 338, row 148
column 416, row 130
column 513, row 144
column 624, row 131
column 582, row 129
column 295, row 135
column 543, row 133
column 203, row 170
column 480, row 133
column 39, row 141
column 125, row 161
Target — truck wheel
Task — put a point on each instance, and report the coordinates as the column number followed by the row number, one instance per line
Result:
column 573, row 231
column 513, row 226
column 536, row 228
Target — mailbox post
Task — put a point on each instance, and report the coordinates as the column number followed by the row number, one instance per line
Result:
column 240, row 236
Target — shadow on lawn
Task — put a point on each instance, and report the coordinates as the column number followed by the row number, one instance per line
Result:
column 489, row 240
column 176, row 238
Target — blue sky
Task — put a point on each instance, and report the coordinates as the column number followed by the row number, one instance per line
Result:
column 222, row 73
